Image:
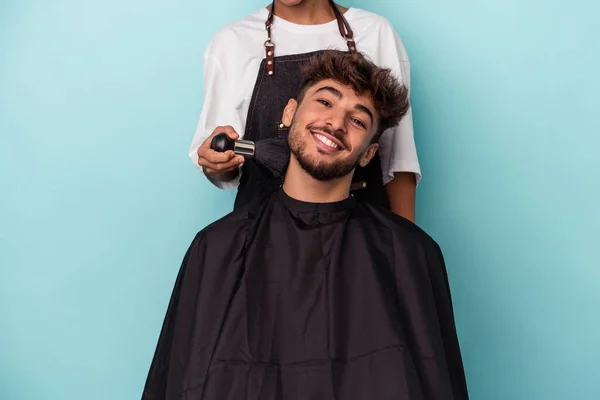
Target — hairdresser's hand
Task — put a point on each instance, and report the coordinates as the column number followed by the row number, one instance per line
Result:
column 220, row 166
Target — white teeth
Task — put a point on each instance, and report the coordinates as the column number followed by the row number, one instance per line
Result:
column 328, row 142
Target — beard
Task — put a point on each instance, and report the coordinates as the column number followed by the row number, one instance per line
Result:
column 319, row 169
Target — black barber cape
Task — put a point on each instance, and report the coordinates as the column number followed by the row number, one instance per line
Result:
column 309, row 301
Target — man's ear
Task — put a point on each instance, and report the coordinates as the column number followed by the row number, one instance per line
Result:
column 289, row 111
column 369, row 154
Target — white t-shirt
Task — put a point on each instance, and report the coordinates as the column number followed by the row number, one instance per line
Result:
column 233, row 56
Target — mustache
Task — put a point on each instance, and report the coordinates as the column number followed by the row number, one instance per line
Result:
column 329, row 131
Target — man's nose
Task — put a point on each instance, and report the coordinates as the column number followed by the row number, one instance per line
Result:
column 336, row 120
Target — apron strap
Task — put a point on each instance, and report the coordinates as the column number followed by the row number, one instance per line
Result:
column 269, row 45
column 343, row 26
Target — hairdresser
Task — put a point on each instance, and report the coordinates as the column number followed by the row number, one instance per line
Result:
column 252, row 67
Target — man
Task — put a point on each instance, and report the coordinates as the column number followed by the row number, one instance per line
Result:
column 311, row 294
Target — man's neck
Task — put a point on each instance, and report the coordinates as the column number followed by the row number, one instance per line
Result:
column 299, row 185
column 309, row 12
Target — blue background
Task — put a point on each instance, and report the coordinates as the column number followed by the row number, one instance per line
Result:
column 99, row 201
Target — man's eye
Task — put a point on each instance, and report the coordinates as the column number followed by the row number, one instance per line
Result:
column 324, row 102
column 359, row 122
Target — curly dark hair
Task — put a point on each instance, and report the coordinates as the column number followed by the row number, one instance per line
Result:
column 390, row 97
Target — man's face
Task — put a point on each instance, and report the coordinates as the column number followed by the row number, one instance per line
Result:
column 331, row 130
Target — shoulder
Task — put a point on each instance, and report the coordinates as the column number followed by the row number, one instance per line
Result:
column 236, row 36
column 228, row 228
column 376, row 34
column 363, row 18
column 405, row 233
column 239, row 223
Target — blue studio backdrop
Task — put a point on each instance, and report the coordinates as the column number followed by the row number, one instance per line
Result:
column 98, row 104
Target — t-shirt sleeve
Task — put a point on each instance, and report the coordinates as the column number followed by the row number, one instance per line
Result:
column 398, row 151
column 218, row 108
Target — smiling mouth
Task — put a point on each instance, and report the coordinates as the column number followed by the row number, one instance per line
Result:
column 327, row 142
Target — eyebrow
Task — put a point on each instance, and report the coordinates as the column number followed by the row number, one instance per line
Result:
column 339, row 95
